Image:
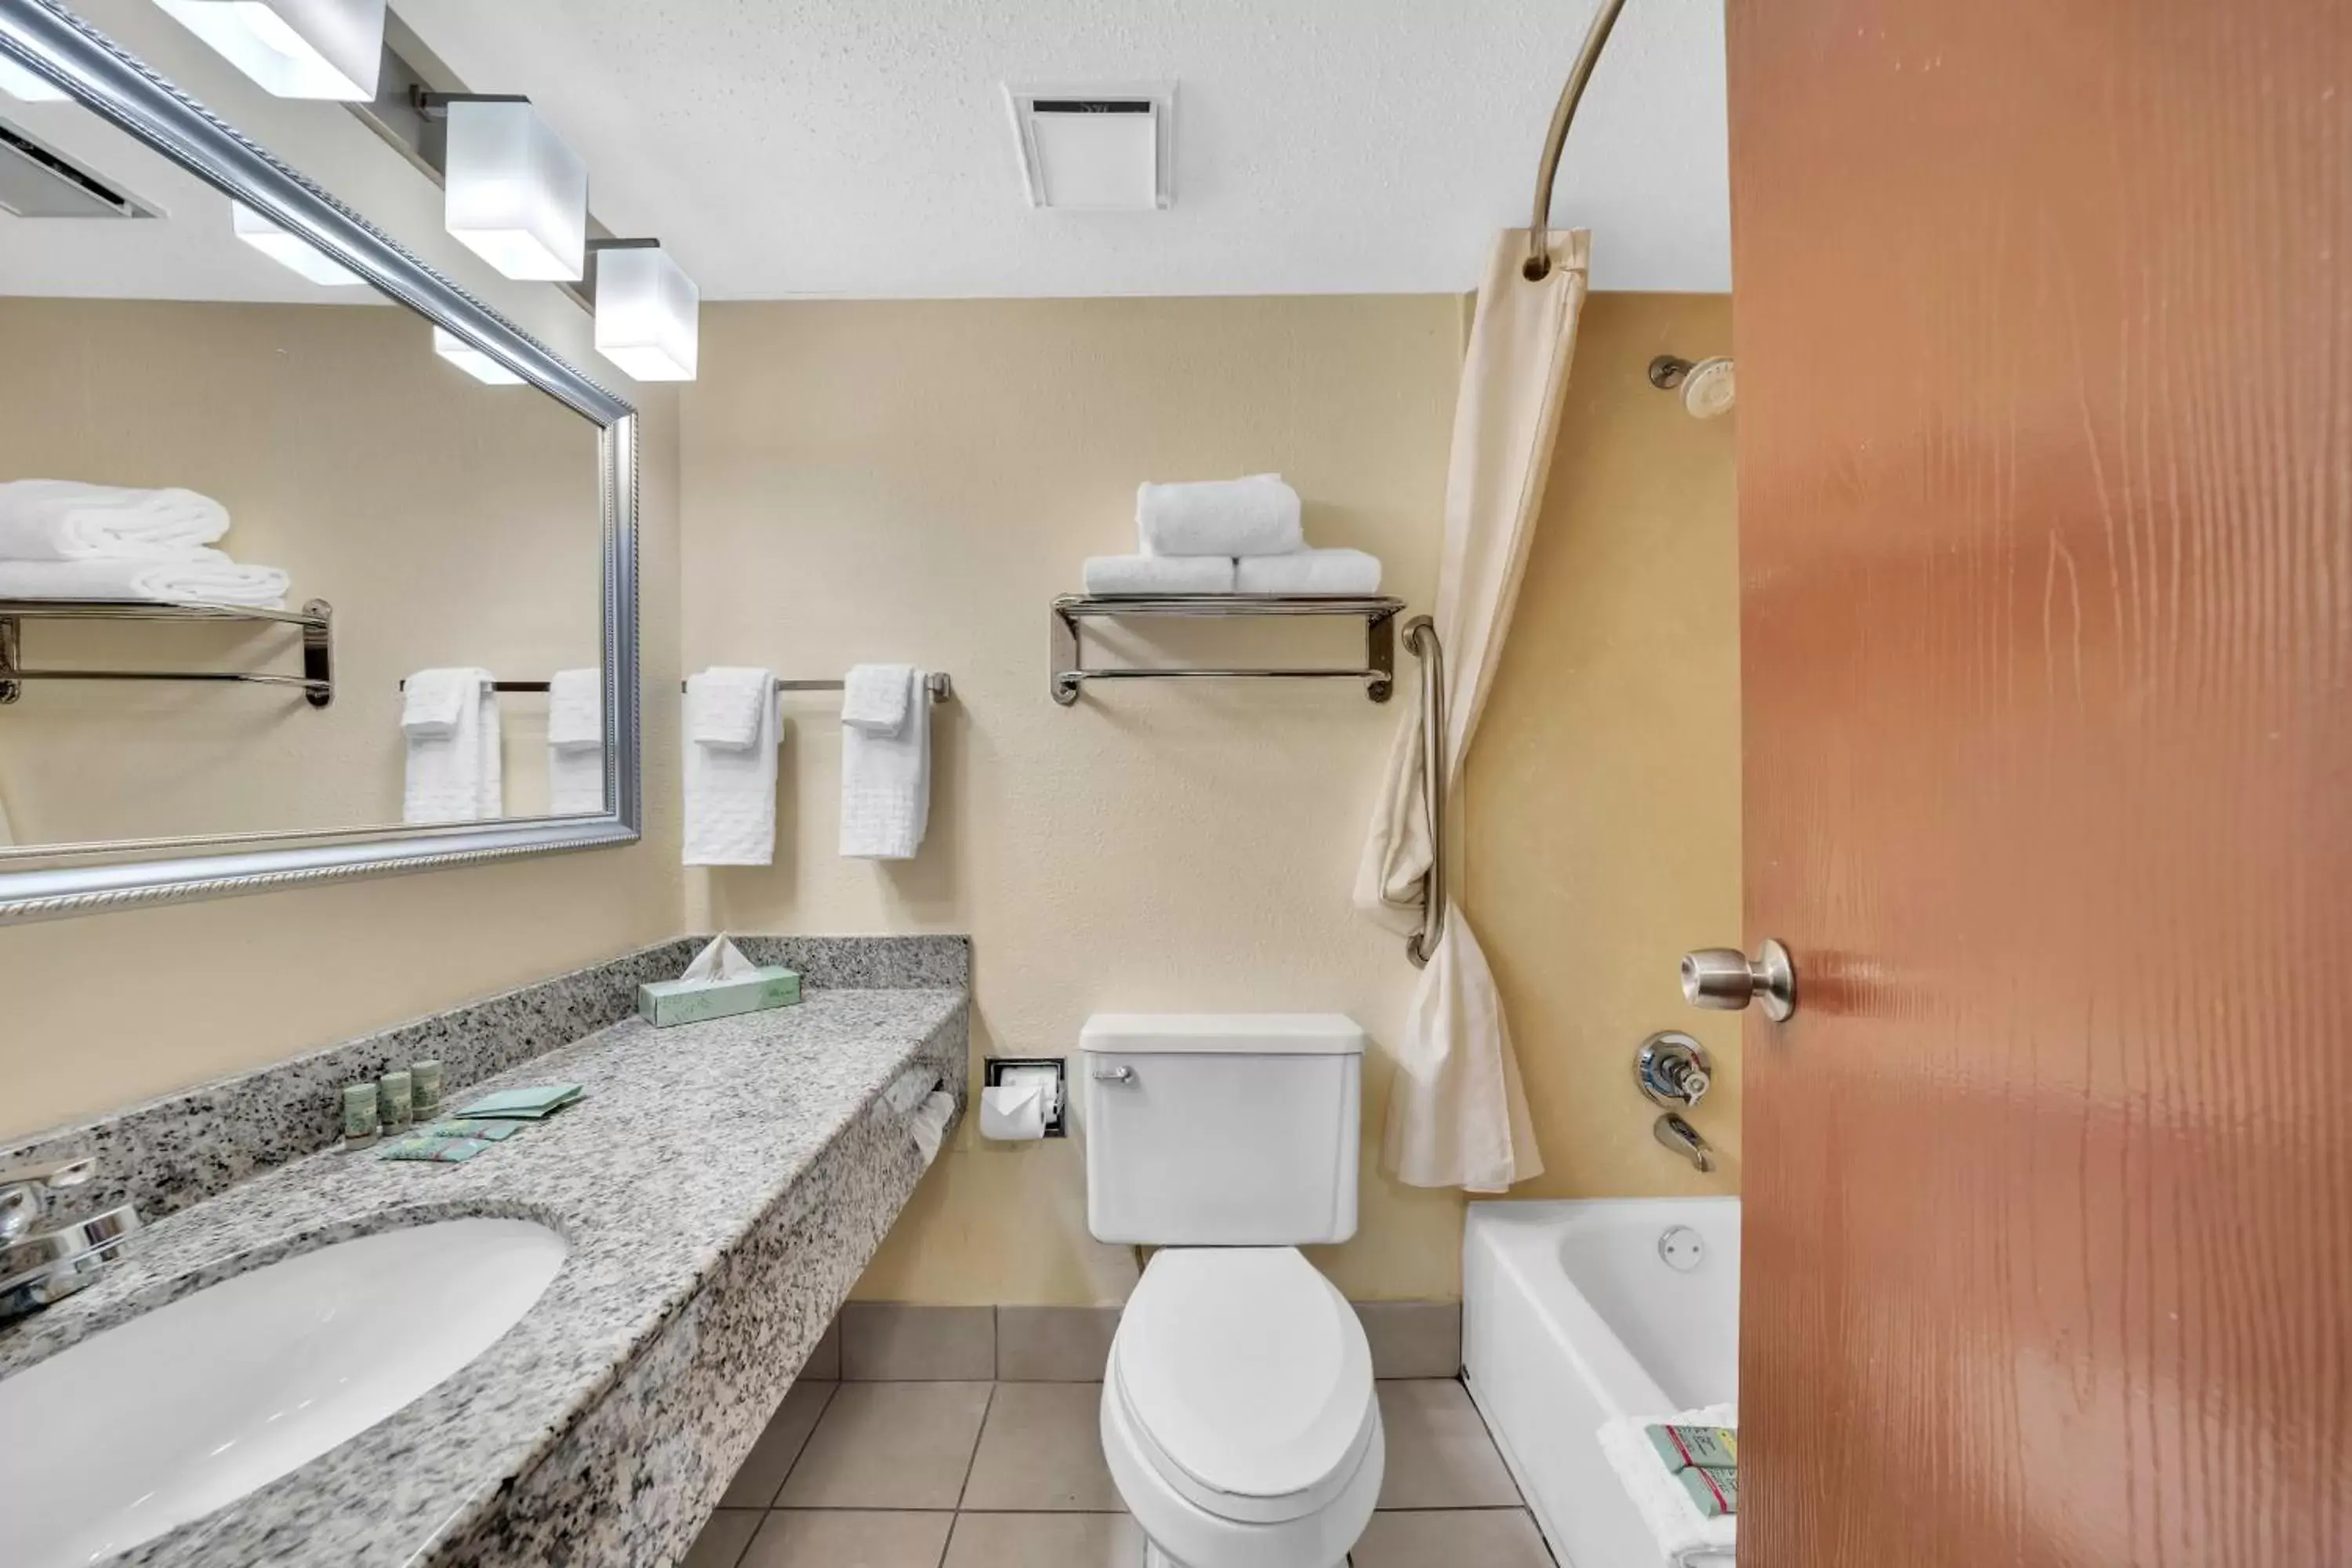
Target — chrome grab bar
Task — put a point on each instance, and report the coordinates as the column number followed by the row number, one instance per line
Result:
column 1421, row 637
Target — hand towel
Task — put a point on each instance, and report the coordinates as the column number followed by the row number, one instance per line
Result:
column 60, row 520
column 886, row 784
column 1160, row 575
column 575, row 743
column 726, row 706
column 730, row 790
column 1688, row 1538
column 874, row 696
column 1255, row 516
column 1309, row 571
column 207, row 577
column 456, row 772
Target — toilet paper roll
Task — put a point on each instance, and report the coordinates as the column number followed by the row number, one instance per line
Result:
column 1012, row 1112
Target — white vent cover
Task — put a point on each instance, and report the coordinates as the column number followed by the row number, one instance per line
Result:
column 1096, row 149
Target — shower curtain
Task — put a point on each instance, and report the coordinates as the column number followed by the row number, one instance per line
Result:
column 1457, row 1115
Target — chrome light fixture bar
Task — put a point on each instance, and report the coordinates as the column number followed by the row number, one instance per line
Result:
column 290, row 251
column 513, row 192
column 648, row 311
column 294, row 49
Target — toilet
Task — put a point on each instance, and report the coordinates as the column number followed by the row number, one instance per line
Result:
column 1238, row 1415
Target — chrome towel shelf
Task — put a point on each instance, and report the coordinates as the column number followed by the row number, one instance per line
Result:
column 1069, row 670
column 315, row 618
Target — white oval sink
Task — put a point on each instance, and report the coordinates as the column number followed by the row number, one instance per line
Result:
column 184, row 1409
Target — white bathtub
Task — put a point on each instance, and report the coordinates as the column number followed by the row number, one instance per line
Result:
column 1573, row 1316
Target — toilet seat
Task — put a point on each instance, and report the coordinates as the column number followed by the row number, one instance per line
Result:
column 1245, row 1379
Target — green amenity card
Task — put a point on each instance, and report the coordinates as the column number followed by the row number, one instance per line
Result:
column 662, row 1003
column 1682, row 1447
column 1715, row 1491
column 521, row 1104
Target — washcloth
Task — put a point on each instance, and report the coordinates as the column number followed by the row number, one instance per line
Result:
column 1309, row 571
column 885, row 784
column 874, row 696
column 1160, row 575
column 61, row 519
column 1688, row 1538
column 455, row 770
column 206, row 577
column 1255, row 516
column 575, row 743
column 730, row 790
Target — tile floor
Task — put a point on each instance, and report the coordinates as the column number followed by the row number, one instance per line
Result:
column 1010, row 1475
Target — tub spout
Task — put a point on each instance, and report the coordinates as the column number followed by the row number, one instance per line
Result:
column 1683, row 1137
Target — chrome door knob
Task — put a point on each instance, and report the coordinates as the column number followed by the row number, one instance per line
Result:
column 1725, row 979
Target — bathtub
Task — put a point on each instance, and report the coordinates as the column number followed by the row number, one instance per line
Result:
column 1574, row 1313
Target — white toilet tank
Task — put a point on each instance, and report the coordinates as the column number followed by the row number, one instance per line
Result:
column 1222, row 1128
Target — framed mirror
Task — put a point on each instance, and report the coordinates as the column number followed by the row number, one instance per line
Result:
column 263, row 471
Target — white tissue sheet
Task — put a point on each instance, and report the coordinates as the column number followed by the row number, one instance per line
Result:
column 929, row 1122
column 718, row 961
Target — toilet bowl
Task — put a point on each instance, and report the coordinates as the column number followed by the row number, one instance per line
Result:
column 1238, row 1415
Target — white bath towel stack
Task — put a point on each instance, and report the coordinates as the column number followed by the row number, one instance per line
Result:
column 731, row 767
column 885, row 762
column 575, row 743
column 1227, row 536
column 449, row 723
column 63, row 540
column 1688, row 1538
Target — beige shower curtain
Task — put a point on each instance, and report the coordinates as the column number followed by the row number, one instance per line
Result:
column 1457, row 1116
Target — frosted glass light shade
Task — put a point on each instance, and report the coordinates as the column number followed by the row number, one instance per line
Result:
column 295, row 49
column 25, row 86
column 289, row 250
column 516, row 196
column 471, row 360
column 648, row 313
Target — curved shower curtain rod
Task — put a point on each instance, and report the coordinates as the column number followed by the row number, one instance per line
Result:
column 1596, row 38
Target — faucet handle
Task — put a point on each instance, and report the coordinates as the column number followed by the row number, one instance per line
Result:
column 25, row 1189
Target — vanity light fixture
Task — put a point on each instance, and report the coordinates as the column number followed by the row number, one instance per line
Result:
column 25, row 86
column 648, row 311
column 471, row 360
column 289, row 250
column 295, row 49
column 516, row 195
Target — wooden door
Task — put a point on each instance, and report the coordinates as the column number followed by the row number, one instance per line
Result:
column 2045, row 342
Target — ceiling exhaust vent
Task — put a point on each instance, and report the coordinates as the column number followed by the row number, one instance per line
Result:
column 39, row 180
column 1096, row 149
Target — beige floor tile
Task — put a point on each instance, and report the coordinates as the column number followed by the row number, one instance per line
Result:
column 722, row 1539
column 832, row 1539
column 886, row 1341
column 1045, row 1541
column 1041, row 1449
column 770, row 1459
column 1439, row 1455
column 1054, row 1344
column 1490, row 1537
column 889, row 1445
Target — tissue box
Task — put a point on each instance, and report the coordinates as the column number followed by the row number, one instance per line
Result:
column 662, row 1003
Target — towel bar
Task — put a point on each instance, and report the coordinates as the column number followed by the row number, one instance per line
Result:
column 1069, row 671
column 315, row 618
column 936, row 683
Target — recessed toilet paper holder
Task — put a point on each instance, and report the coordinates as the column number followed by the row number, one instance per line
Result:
column 996, row 1070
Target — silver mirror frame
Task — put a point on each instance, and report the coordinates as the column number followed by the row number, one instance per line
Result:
column 55, row 45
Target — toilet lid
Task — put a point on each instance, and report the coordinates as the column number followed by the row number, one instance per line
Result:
column 1248, row 1379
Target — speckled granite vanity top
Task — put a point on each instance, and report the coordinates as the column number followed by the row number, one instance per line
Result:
column 726, row 1159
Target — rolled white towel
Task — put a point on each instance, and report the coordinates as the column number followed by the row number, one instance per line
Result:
column 64, row 520
column 1160, row 575
column 1255, row 516
column 208, row 577
column 1685, row 1537
column 1309, row 571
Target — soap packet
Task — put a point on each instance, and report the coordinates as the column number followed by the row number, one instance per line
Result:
column 519, row 1104
column 1715, row 1491
column 1686, row 1447
column 480, row 1131
column 435, row 1150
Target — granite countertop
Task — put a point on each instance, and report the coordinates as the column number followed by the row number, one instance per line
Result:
column 687, row 1139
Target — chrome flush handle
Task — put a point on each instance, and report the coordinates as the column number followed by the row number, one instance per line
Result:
column 1725, row 979
column 1120, row 1074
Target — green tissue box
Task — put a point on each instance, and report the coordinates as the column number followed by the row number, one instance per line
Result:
column 662, row 1003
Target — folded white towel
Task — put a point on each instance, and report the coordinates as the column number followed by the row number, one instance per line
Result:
column 62, row 519
column 457, row 773
column 726, row 706
column 207, row 577
column 1309, row 571
column 431, row 701
column 874, row 696
column 575, row 743
column 886, row 784
column 1255, row 516
column 730, row 790
column 1160, row 575
column 1688, row 1538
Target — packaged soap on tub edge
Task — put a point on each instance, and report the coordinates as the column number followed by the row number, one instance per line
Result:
column 719, row 983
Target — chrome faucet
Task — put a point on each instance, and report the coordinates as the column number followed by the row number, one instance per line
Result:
column 1683, row 1137
column 39, row 1267
column 1673, row 1071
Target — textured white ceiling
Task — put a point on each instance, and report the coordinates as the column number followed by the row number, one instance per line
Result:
column 862, row 148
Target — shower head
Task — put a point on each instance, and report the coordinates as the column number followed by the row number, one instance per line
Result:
column 1706, row 385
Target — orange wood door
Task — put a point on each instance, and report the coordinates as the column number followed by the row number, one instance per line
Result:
column 2044, row 338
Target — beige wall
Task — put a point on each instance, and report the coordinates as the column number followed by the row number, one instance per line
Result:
column 1603, row 787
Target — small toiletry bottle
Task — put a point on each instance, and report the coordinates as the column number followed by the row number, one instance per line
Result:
column 360, row 1114
column 424, row 1090
column 392, row 1096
